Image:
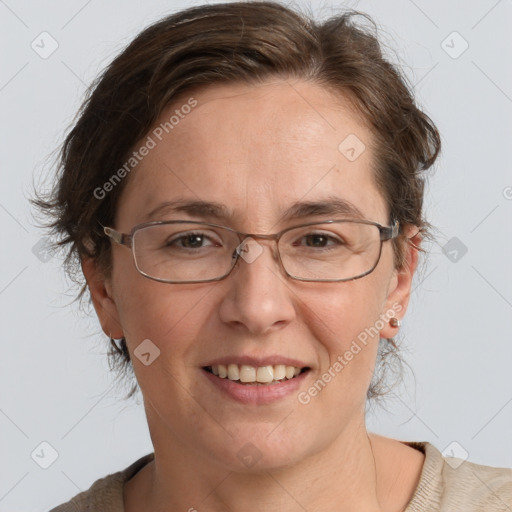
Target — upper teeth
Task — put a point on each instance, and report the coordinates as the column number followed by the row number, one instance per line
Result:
column 247, row 373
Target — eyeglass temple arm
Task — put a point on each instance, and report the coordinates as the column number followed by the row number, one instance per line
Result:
column 387, row 233
column 118, row 237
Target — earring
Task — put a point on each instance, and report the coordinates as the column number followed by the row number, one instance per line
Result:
column 394, row 322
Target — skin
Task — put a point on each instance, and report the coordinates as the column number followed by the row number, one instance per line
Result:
column 257, row 149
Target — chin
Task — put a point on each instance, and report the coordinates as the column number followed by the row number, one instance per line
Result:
column 261, row 449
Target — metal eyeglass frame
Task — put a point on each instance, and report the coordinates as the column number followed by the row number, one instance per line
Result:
column 126, row 239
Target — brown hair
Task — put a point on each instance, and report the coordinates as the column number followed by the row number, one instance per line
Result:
column 247, row 42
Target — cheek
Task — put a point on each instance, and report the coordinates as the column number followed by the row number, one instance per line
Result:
column 341, row 311
column 173, row 322
column 169, row 317
column 345, row 320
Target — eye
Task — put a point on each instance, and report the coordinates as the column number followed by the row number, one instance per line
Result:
column 192, row 240
column 319, row 240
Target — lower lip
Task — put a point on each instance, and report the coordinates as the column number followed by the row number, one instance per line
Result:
column 256, row 394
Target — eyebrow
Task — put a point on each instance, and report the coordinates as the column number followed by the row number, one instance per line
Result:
column 332, row 205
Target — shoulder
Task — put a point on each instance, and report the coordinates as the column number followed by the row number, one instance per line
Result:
column 105, row 494
column 451, row 484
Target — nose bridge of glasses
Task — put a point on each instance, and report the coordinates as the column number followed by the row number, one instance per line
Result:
column 249, row 248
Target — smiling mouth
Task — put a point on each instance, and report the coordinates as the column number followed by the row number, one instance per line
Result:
column 246, row 374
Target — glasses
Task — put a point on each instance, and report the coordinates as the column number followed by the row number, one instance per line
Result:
column 182, row 251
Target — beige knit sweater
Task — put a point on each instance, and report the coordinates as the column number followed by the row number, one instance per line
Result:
column 444, row 486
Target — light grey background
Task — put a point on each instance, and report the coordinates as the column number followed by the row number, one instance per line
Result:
column 54, row 380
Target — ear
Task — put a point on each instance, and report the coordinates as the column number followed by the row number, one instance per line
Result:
column 100, row 288
column 399, row 290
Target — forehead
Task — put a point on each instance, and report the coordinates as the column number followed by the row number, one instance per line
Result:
column 256, row 149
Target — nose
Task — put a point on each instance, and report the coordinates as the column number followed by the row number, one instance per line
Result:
column 258, row 297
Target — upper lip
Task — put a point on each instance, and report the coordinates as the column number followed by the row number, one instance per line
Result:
column 257, row 361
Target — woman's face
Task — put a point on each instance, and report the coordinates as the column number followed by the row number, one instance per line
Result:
column 257, row 150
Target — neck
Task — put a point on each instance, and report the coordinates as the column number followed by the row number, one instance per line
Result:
column 342, row 477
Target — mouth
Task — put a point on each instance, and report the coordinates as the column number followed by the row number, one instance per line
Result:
column 256, row 375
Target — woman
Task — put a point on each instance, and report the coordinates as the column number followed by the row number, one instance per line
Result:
column 243, row 191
